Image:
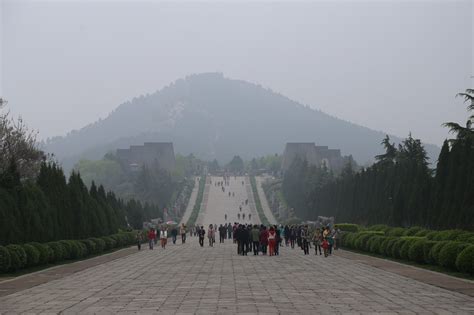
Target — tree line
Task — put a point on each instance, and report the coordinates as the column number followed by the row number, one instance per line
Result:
column 399, row 189
column 37, row 203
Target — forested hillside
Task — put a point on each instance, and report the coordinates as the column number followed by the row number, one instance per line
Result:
column 215, row 117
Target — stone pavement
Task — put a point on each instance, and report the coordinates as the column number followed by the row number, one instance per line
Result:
column 188, row 279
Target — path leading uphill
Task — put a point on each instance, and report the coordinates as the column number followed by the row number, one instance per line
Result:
column 219, row 203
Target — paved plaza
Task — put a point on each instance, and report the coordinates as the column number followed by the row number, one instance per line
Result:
column 188, row 279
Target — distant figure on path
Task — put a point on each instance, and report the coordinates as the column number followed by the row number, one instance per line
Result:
column 211, row 235
column 250, row 216
column 182, row 231
column 255, row 239
column 222, row 233
column 139, row 239
column 264, row 239
column 151, row 238
column 174, row 234
column 201, row 233
column 271, row 241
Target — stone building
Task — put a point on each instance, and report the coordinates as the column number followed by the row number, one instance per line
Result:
column 152, row 154
column 315, row 155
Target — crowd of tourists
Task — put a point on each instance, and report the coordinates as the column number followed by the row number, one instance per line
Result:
column 249, row 238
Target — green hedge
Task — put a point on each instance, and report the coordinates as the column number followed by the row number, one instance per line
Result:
column 5, row 259
column 18, row 258
column 258, row 204
column 465, row 260
column 15, row 257
column 449, row 253
column 347, row 227
column 32, row 255
column 197, row 205
column 415, row 252
column 450, row 249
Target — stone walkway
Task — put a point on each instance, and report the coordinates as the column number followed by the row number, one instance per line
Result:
column 219, row 203
column 188, row 279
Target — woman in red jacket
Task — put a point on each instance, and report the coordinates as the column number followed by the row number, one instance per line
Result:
column 271, row 241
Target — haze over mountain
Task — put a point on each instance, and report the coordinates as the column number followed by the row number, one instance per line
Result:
column 215, row 117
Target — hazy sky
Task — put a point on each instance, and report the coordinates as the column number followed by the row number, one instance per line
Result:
column 389, row 65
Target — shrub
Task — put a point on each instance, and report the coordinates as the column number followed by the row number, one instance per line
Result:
column 447, row 235
column 99, row 245
column 379, row 227
column 406, row 247
column 415, row 252
column 412, row 231
column 32, row 255
column 397, row 246
column 109, row 242
column 59, row 252
column 17, row 257
column 43, row 251
column 398, row 231
column 67, row 249
column 389, row 246
column 361, row 240
column 427, row 246
column 76, row 250
column 90, row 245
column 465, row 260
column 347, row 227
column 5, row 259
column 349, row 240
column 83, row 248
column 373, row 244
column 449, row 253
column 383, row 245
column 431, row 235
column 464, row 237
column 422, row 232
column 434, row 253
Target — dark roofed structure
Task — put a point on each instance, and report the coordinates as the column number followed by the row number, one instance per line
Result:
column 152, row 154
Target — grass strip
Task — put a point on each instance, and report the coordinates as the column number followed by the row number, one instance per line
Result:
column 258, row 204
column 197, row 205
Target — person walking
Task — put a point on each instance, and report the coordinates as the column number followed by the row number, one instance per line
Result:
column 305, row 239
column 222, row 233
column 139, row 239
column 317, row 241
column 151, row 238
column 286, row 235
column 201, row 234
column 292, row 237
column 164, row 237
column 277, row 240
column 264, row 239
column 229, row 231
column 337, row 238
column 244, row 240
column 255, row 234
column 182, row 231
column 174, row 234
column 271, row 241
column 211, row 235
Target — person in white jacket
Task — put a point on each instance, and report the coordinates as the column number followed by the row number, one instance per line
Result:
column 163, row 236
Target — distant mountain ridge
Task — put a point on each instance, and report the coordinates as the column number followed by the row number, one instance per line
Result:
column 216, row 117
